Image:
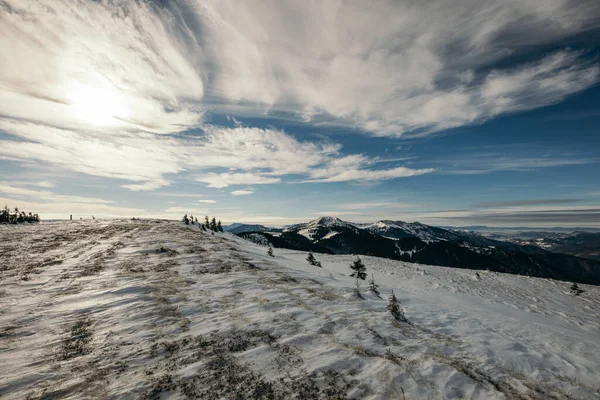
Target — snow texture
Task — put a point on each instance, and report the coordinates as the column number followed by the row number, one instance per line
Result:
column 158, row 309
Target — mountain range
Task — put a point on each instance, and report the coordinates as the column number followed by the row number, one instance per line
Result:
column 424, row 244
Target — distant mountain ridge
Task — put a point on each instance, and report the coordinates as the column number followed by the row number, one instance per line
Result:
column 420, row 243
column 240, row 228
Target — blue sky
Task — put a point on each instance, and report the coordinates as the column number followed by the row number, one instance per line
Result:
column 451, row 113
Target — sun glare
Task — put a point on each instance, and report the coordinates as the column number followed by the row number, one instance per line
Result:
column 96, row 105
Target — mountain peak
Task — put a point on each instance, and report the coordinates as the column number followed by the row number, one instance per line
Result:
column 328, row 221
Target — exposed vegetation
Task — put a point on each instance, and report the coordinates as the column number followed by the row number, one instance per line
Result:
column 212, row 225
column 359, row 269
column 17, row 217
column 312, row 260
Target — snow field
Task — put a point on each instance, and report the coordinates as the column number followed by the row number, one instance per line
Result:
column 157, row 309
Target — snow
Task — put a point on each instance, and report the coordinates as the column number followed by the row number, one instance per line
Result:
column 416, row 229
column 409, row 252
column 155, row 309
column 329, row 235
column 307, row 233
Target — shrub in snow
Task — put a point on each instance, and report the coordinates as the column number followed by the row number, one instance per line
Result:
column 186, row 219
column 359, row 269
column 270, row 251
column 373, row 287
column 357, row 289
column 394, row 308
column 219, row 226
column 312, row 260
column 576, row 290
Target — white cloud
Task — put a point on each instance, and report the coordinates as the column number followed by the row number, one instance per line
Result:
column 42, row 184
column 242, row 192
column 141, row 158
column 52, row 205
column 79, row 64
column 226, row 179
column 394, row 67
column 207, row 201
column 257, row 156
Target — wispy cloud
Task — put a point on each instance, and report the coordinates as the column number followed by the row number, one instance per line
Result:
column 258, row 156
column 535, row 202
column 78, row 64
column 55, row 205
column 422, row 77
column 242, row 192
column 207, row 201
column 377, row 204
column 476, row 163
column 228, row 178
column 150, row 66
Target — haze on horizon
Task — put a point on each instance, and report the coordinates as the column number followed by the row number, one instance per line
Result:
column 456, row 113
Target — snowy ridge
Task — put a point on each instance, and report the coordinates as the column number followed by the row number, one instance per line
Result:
column 322, row 222
column 416, row 229
column 149, row 309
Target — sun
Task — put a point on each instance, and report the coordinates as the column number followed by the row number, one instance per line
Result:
column 96, row 105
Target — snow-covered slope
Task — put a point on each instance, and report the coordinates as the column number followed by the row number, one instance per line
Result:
column 320, row 228
column 142, row 309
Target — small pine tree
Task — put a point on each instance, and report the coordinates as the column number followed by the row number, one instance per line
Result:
column 213, row 225
column 394, row 308
column 373, row 287
column 186, row 219
column 270, row 251
column 311, row 258
column 576, row 290
column 196, row 220
column 219, row 226
column 357, row 289
column 5, row 215
column 206, row 222
column 359, row 269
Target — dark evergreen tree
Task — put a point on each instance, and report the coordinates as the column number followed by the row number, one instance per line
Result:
column 213, row 224
column 373, row 287
column 206, row 222
column 270, row 251
column 311, row 258
column 196, row 220
column 359, row 269
column 5, row 215
column 394, row 308
column 186, row 219
column 219, row 226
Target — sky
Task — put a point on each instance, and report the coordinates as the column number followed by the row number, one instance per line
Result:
column 461, row 112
